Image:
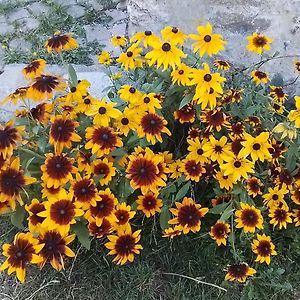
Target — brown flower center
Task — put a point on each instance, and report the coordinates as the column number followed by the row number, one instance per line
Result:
column 207, row 77
column 166, row 47
column 207, row 38
column 256, row 146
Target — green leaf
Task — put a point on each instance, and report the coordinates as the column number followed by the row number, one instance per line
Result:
column 72, row 76
column 158, row 87
column 36, row 129
column 251, row 110
column 170, row 189
column 18, row 216
column 118, row 152
column 227, row 213
column 164, row 217
column 220, row 208
column 124, row 189
column 82, row 233
column 32, row 153
column 42, row 143
column 183, row 191
column 186, row 100
column 21, row 121
column 28, row 163
column 98, row 177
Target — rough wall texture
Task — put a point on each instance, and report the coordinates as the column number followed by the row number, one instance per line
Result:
column 235, row 19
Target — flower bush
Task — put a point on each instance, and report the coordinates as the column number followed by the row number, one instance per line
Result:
column 182, row 137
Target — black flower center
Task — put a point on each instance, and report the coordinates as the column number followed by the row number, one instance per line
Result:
column 256, row 146
column 102, row 110
column 237, row 164
column 207, row 38
column 125, row 121
column 166, row 47
column 207, row 77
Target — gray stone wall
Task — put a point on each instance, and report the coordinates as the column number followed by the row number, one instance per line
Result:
column 235, row 19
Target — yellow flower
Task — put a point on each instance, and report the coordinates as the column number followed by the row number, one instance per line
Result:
column 192, row 170
column 149, row 204
column 102, row 112
column 16, row 96
column 129, row 94
column 294, row 115
column 249, row 218
column 56, row 247
column 254, row 186
column 207, row 41
column 60, row 213
column 173, row 34
column 126, row 121
column 172, row 232
column 206, row 83
column 147, row 37
column 286, row 130
column 123, row 215
column 35, row 221
column 296, row 215
column 280, row 216
column 143, row 171
column 131, row 59
column 174, row 169
column 239, row 272
column 77, row 92
column 226, row 181
column 217, row 150
column 166, row 54
column 24, row 250
column 62, row 133
column 152, row 126
column 278, row 94
column 116, row 76
column 181, row 75
column 188, row 215
column 237, row 167
column 258, row 43
column 102, row 208
column 297, row 65
column 34, row 69
column 259, row 77
column 104, row 58
column 9, row 138
column 264, row 248
column 104, row 169
column 57, row 170
column 196, row 151
column 147, row 103
column 222, row 64
column 124, row 245
column 102, row 140
column 257, row 147
column 275, row 196
column 60, row 42
column 118, row 40
column 220, row 232
column 12, row 182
